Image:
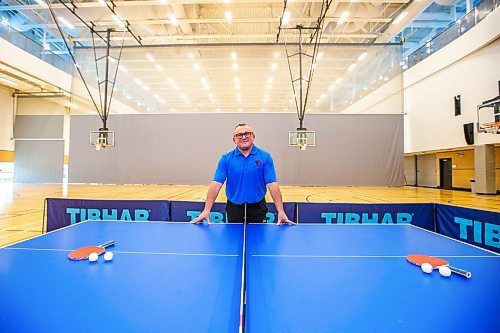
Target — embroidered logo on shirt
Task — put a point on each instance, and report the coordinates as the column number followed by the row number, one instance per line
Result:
column 258, row 163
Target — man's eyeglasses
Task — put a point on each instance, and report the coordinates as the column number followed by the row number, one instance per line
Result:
column 245, row 134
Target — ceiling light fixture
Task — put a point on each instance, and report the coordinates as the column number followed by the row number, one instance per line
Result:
column 343, row 17
column 400, row 18
column 362, row 56
column 286, row 18
column 118, row 21
column 173, row 20
column 65, row 22
column 42, row 3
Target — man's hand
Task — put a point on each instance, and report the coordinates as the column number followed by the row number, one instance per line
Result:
column 205, row 215
column 274, row 189
column 283, row 219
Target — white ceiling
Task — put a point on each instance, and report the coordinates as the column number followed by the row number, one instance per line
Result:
column 245, row 78
column 202, row 62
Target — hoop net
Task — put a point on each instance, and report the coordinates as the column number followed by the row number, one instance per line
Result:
column 492, row 128
column 99, row 145
column 302, row 143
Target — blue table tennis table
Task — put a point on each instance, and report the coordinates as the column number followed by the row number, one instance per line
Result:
column 181, row 277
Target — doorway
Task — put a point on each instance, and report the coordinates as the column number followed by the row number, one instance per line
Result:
column 445, row 178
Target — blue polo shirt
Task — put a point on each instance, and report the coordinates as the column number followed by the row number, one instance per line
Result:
column 246, row 177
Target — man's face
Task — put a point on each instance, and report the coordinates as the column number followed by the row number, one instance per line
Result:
column 243, row 137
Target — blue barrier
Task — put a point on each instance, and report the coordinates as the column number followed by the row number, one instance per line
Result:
column 64, row 212
column 421, row 215
column 476, row 227
column 473, row 226
column 184, row 211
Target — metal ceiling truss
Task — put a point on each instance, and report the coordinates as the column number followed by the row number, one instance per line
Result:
column 105, row 97
column 315, row 40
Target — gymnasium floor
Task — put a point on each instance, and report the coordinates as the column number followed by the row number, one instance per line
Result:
column 21, row 205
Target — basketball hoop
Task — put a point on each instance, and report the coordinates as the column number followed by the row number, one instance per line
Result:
column 102, row 139
column 99, row 145
column 492, row 128
column 302, row 143
column 302, row 138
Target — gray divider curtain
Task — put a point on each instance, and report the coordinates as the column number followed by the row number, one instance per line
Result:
column 358, row 149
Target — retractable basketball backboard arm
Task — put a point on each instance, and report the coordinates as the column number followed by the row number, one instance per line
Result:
column 301, row 136
column 105, row 87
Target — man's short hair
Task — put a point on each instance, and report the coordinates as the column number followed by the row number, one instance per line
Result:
column 240, row 125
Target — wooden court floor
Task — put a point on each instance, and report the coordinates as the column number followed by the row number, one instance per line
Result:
column 21, row 205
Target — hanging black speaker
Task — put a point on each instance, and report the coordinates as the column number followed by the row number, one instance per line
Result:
column 469, row 133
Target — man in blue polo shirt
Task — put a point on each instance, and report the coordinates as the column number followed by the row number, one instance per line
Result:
column 247, row 170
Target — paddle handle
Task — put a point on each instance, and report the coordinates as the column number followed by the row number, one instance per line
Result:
column 461, row 272
column 108, row 244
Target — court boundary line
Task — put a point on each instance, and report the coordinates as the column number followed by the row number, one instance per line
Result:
column 456, row 240
column 133, row 252
column 266, row 224
column 97, row 221
column 42, row 234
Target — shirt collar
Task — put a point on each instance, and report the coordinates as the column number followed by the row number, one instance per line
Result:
column 252, row 152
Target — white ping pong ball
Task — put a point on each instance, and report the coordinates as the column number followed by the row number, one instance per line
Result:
column 445, row 271
column 427, row 268
column 93, row 256
column 108, row 256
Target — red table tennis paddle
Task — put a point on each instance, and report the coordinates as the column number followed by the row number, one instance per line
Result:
column 84, row 252
column 419, row 259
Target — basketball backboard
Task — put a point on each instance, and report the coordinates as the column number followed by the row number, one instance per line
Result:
column 302, row 139
column 102, row 139
column 488, row 116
